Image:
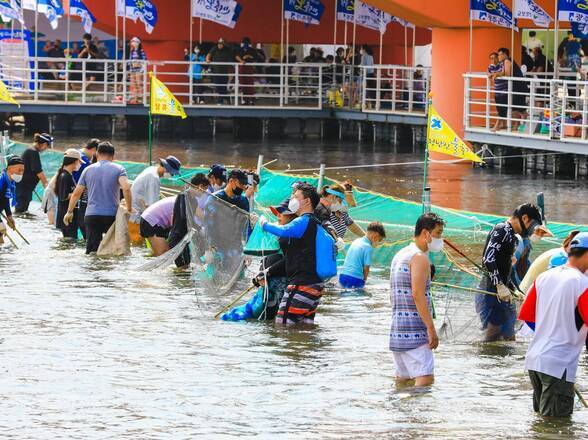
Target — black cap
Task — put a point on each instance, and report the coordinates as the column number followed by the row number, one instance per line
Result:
column 46, row 138
column 240, row 175
column 218, row 171
column 282, row 208
column 14, row 159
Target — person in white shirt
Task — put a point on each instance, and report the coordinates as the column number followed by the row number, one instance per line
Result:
column 557, row 307
column 533, row 42
column 146, row 188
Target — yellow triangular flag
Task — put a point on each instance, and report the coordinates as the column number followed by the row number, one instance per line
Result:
column 163, row 102
column 442, row 139
column 5, row 95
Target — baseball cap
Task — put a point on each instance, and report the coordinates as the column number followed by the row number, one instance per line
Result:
column 46, row 137
column 14, row 159
column 240, row 175
column 171, row 164
column 282, row 208
column 218, row 171
column 135, row 40
column 580, row 241
column 72, row 153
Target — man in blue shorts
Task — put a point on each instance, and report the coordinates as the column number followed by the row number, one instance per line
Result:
column 355, row 270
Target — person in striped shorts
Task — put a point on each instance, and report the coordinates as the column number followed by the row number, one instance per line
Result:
column 412, row 334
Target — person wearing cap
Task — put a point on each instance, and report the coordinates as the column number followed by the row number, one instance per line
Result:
column 237, row 183
column 104, row 181
column 221, row 53
column 341, row 198
column 136, row 67
column 355, row 270
column 247, row 54
column 64, row 187
column 497, row 311
column 331, row 197
column 217, row 177
column 88, row 157
column 10, row 176
column 556, row 307
column 146, row 189
column 33, row 171
column 522, row 254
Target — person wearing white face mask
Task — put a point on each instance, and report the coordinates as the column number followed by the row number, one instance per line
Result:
column 217, row 176
column 197, row 59
column 412, row 333
column 64, row 187
column 146, row 188
column 8, row 180
column 522, row 254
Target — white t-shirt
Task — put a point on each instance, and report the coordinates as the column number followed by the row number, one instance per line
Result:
column 532, row 43
column 145, row 190
column 557, row 304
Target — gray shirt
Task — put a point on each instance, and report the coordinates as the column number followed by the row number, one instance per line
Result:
column 101, row 181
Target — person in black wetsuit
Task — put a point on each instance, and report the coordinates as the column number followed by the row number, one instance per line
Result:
column 33, row 171
column 498, row 313
column 305, row 287
column 8, row 179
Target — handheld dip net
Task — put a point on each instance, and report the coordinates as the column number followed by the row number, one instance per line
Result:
column 216, row 235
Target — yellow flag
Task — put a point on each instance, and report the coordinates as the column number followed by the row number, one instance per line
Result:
column 163, row 102
column 442, row 138
column 5, row 95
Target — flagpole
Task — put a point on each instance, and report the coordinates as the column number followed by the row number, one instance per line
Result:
column 191, row 31
column 426, row 165
column 200, row 32
column 555, row 40
column 36, row 33
column 471, row 41
column 335, row 31
column 68, row 23
column 116, row 34
column 512, row 54
column 381, row 34
column 405, row 47
column 282, row 34
column 150, row 134
column 414, row 46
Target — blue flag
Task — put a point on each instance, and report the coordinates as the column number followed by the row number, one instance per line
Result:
column 575, row 11
column 492, row 11
column 307, row 11
column 345, row 10
column 10, row 10
column 144, row 10
column 52, row 10
column 78, row 8
column 225, row 12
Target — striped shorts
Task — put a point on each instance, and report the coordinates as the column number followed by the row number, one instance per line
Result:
column 299, row 304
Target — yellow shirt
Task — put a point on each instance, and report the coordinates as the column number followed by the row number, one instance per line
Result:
column 539, row 265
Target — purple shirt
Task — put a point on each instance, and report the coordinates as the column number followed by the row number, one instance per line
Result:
column 160, row 213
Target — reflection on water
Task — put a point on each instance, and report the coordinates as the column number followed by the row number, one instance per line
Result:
column 91, row 348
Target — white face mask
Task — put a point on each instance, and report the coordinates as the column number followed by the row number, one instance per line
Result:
column 336, row 206
column 293, row 205
column 436, row 245
column 167, row 175
column 16, row 177
column 534, row 238
column 196, row 51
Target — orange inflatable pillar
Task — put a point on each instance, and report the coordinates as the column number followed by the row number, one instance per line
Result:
column 451, row 53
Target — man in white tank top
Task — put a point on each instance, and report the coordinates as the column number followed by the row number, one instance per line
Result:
column 412, row 333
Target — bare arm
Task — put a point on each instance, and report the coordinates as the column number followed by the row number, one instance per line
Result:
column 123, row 181
column 366, row 272
column 350, row 199
column 420, row 270
column 356, row 229
column 42, row 178
column 75, row 196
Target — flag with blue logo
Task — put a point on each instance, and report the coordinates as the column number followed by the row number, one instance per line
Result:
column 531, row 11
column 306, row 11
column 575, row 11
column 143, row 10
column 10, row 10
column 345, row 9
column 580, row 30
column 79, row 9
column 225, row 12
column 403, row 22
column 491, row 11
column 52, row 9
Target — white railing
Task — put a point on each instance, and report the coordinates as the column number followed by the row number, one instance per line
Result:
column 394, row 89
column 542, row 108
column 200, row 84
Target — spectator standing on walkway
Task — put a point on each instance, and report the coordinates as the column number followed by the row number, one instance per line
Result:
column 248, row 55
column 221, row 53
column 136, row 69
column 104, row 181
column 197, row 58
column 367, row 61
column 33, row 172
column 89, row 51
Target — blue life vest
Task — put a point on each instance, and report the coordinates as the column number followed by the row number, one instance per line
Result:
column 326, row 254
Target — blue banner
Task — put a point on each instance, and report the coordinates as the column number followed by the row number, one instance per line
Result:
column 491, row 11
column 225, row 12
column 78, row 8
column 575, row 11
column 307, row 11
column 10, row 10
column 345, row 10
column 143, row 10
column 52, row 10
column 580, row 30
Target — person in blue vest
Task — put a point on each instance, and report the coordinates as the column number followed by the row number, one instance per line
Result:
column 305, row 286
column 8, row 180
column 198, row 59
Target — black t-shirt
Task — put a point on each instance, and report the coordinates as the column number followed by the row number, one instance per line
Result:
column 224, row 55
column 32, row 167
column 64, row 186
column 540, row 61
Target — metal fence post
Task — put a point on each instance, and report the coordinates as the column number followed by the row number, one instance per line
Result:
column 378, row 86
column 466, row 103
column 320, row 87
column 236, row 66
column 509, row 106
column 488, row 95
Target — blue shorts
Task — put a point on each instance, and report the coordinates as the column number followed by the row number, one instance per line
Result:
column 349, row 282
column 498, row 313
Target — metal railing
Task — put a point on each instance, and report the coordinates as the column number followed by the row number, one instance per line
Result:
column 394, row 89
column 201, row 84
column 543, row 108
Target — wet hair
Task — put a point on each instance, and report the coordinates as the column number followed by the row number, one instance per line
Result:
column 200, row 179
column 428, row 221
column 577, row 252
column 92, row 144
column 505, row 51
column 106, row 149
column 309, row 192
column 569, row 238
column 378, row 228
